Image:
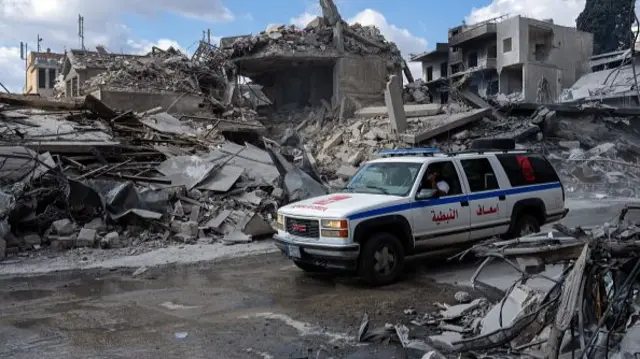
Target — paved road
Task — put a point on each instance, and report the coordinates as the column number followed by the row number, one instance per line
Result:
column 257, row 307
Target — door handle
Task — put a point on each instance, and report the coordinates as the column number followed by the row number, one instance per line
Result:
column 464, row 203
column 502, row 198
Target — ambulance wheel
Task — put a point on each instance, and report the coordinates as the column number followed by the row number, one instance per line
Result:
column 309, row 268
column 381, row 259
column 525, row 225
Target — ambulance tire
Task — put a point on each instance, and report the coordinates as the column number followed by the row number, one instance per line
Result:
column 310, row 268
column 381, row 259
column 525, row 225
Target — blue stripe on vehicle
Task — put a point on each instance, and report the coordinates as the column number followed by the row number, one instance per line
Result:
column 439, row 201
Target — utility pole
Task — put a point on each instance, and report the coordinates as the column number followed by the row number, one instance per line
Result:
column 39, row 41
column 209, row 36
column 81, row 30
column 23, row 56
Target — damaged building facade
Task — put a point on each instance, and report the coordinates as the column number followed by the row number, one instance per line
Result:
column 78, row 66
column 525, row 59
column 340, row 65
column 42, row 72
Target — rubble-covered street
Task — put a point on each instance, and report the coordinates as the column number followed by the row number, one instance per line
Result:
column 260, row 306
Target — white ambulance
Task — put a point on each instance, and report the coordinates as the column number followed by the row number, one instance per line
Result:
column 415, row 200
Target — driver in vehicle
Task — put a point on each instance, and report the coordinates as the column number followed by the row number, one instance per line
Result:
column 436, row 182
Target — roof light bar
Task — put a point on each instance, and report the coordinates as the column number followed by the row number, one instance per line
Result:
column 409, row 152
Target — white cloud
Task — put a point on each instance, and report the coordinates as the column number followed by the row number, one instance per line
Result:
column 143, row 47
column 11, row 69
column 55, row 21
column 303, row 19
column 407, row 42
column 562, row 12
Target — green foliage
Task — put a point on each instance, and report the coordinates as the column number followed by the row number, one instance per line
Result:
column 610, row 22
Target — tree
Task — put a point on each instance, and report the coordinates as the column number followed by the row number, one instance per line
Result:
column 610, row 23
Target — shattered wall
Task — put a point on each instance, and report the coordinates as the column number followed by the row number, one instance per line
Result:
column 303, row 85
column 533, row 74
column 362, row 79
column 436, row 63
column 140, row 101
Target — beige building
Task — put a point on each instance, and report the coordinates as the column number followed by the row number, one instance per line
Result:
column 531, row 50
column 42, row 71
column 512, row 56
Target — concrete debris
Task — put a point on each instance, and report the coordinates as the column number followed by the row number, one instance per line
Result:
column 531, row 320
column 168, row 70
column 318, row 37
column 109, row 179
column 462, row 297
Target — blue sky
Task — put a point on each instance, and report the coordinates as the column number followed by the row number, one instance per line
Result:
column 427, row 19
column 134, row 26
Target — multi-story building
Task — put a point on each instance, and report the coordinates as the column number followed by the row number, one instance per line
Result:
column 531, row 51
column 515, row 56
column 473, row 52
column 42, row 71
column 435, row 69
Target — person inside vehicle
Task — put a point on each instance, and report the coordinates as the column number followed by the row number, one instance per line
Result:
column 437, row 182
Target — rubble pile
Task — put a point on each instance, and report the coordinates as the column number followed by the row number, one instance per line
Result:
column 87, row 176
column 588, row 310
column 595, row 155
column 417, row 92
column 318, row 37
column 168, row 70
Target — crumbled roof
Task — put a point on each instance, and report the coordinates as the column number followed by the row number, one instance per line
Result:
column 95, row 60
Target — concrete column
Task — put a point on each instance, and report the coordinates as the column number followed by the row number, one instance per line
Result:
column 395, row 106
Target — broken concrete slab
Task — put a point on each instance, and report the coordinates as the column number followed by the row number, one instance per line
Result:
column 86, row 238
column 395, row 105
column 410, row 111
column 441, row 124
column 223, row 179
column 335, row 140
column 165, row 123
column 186, row 171
column 63, row 227
column 115, row 240
column 96, row 224
column 32, row 239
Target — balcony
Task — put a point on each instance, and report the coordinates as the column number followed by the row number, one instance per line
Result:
column 475, row 32
column 487, row 63
column 455, row 57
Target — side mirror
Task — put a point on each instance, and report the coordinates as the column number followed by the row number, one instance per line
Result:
column 426, row 193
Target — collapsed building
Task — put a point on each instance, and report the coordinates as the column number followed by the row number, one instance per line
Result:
column 329, row 61
column 513, row 58
column 613, row 81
